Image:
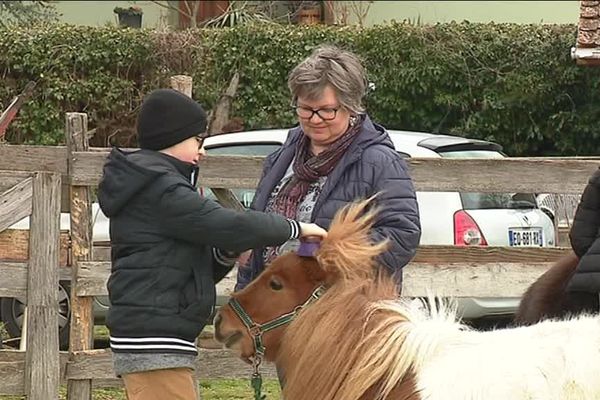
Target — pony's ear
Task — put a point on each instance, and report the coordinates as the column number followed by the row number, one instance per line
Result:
column 348, row 252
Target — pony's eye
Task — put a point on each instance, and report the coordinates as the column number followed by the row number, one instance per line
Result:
column 275, row 284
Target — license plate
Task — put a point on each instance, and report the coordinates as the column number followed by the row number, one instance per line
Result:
column 525, row 237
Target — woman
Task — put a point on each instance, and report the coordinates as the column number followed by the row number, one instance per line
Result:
column 335, row 156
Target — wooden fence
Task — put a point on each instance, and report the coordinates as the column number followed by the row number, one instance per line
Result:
column 450, row 270
column 34, row 372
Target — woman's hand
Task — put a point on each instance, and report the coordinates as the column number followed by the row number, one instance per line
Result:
column 307, row 230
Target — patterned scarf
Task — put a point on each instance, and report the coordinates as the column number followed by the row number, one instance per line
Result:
column 308, row 168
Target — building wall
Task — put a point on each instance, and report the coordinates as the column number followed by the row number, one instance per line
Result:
column 100, row 13
column 430, row 12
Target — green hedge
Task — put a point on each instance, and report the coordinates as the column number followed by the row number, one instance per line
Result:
column 514, row 84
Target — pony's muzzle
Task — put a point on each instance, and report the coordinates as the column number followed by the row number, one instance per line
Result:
column 222, row 335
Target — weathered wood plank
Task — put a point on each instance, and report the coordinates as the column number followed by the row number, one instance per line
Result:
column 227, row 199
column 14, row 279
column 560, row 175
column 527, row 175
column 448, row 254
column 91, row 278
column 12, row 371
column 34, row 158
column 436, row 254
column 102, row 252
column 82, row 319
column 16, row 159
column 9, row 178
column 214, row 364
column 470, row 280
column 15, row 203
column 42, row 358
column 217, row 171
column 12, row 368
column 14, row 246
column 466, row 264
column 456, row 280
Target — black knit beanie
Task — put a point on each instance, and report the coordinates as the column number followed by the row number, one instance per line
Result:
column 168, row 117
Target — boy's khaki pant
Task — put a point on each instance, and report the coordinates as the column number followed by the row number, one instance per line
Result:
column 162, row 384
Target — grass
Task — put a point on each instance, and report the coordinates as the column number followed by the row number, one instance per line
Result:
column 213, row 389
column 100, row 332
column 3, row 333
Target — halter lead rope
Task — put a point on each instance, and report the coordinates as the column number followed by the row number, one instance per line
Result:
column 257, row 331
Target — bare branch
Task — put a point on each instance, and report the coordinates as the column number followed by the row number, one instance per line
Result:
column 360, row 9
column 195, row 10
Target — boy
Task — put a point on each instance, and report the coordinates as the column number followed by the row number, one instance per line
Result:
column 169, row 248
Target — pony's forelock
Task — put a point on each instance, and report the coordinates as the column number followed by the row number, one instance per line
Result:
column 348, row 251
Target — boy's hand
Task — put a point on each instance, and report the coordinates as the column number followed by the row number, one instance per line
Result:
column 312, row 230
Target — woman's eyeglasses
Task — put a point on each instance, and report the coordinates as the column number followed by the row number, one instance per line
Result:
column 326, row 114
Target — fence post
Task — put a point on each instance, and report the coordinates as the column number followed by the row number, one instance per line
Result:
column 81, row 335
column 182, row 83
column 42, row 367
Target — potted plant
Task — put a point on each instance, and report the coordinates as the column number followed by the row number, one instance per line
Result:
column 131, row 16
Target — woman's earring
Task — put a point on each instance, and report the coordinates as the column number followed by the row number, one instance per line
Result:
column 352, row 120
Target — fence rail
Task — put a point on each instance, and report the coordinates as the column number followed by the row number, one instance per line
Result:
column 524, row 175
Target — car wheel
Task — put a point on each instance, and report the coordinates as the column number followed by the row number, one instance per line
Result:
column 12, row 311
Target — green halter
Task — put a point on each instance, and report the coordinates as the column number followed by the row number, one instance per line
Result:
column 257, row 331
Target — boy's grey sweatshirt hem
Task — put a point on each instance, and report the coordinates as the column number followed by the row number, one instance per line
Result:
column 129, row 363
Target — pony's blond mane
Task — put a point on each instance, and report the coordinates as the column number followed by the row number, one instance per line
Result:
column 357, row 338
column 348, row 252
column 322, row 346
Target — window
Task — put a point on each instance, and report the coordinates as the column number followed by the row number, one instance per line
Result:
column 479, row 201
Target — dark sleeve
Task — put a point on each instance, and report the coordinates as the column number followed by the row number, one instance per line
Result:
column 587, row 217
column 185, row 215
column 223, row 262
column 398, row 218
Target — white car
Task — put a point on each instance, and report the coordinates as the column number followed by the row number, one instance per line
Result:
column 447, row 218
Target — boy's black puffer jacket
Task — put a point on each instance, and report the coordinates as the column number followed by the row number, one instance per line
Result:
column 163, row 235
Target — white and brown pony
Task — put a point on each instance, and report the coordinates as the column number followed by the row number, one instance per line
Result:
column 358, row 341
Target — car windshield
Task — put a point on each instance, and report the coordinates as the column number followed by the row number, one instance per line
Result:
column 245, row 196
column 478, row 201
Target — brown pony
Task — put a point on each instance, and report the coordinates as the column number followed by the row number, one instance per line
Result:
column 326, row 350
column 548, row 297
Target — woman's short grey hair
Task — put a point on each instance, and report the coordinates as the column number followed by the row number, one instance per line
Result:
column 329, row 65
